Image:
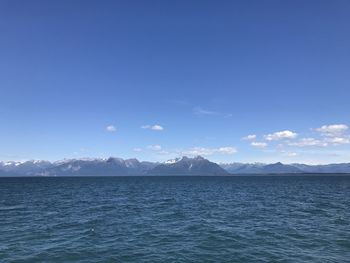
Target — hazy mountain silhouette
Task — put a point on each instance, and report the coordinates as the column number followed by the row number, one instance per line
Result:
column 180, row 166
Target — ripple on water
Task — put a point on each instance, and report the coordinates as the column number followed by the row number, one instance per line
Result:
column 175, row 219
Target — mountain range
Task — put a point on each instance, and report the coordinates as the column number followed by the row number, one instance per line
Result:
column 180, row 166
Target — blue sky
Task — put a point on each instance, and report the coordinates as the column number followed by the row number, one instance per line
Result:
column 160, row 79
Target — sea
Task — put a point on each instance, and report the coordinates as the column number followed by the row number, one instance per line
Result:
column 175, row 219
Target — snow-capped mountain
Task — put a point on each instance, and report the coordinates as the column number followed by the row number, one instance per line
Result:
column 188, row 166
column 179, row 166
column 32, row 167
column 104, row 167
column 243, row 168
column 279, row 168
column 68, row 167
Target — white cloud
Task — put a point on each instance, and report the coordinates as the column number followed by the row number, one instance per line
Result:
column 201, row 111
column 227, row 150
column 332, row 130
column 155, row 127
column 309, row 142
column 250, row 137
column 111, row 128
column 280, row 135
column 155, row 147
column 305, row 142
column 290, row 154
column 137, row 150
column 198, row 151
column 259, row 144
column 209, row 151
column 338, row 140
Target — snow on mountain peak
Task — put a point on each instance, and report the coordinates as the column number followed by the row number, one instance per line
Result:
column 171, row 161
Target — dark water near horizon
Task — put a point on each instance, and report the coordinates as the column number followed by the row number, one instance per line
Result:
column 175, row 219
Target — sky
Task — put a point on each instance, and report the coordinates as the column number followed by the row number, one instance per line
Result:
column 233, row 81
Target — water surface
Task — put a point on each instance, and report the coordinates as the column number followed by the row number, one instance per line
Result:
column 175, row 219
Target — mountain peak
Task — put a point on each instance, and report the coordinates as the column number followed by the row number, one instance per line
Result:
column 171, row 161
column 198, row 157
column 188, row 166
column 114, row 159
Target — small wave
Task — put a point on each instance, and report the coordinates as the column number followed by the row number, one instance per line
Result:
column 12, row 207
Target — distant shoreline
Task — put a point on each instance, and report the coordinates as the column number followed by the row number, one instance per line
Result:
column 182, row 176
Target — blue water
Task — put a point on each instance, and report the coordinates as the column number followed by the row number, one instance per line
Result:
column 175, row 219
